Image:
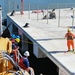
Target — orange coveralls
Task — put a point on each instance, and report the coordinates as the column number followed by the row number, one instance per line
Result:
column 70, row 41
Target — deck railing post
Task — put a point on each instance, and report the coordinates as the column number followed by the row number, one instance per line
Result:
column 47, row 15
column 29, row 12
column 73, row 20
column 37, row 12
column 59, row 19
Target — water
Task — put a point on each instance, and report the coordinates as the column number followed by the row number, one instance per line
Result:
column 9, row 5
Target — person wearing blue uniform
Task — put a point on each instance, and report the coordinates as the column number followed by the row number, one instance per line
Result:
column 24, row 63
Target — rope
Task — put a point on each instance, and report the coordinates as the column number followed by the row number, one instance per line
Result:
column 44, row 40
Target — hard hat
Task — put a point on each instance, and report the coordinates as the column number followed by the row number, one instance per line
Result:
column 18, row 36
column 26, row 54
column 17, row 40
column 68, row 30
column 13, row 36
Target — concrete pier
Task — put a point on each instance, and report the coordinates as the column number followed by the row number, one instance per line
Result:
column 47, row 38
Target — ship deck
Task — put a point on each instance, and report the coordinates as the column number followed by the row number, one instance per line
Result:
column 49, row 37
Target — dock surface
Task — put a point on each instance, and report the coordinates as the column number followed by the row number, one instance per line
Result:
column 49, row 36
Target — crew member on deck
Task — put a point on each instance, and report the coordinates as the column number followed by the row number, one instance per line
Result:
column 24, row 63
column 70, row 39
column 15, row 48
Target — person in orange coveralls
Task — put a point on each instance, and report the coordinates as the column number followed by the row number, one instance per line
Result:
column 70, row 42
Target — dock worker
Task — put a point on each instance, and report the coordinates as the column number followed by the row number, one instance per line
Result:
column 24, row 63
column 70, row 40
column 15, row 48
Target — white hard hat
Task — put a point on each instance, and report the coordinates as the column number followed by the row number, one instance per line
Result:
column 26, row 54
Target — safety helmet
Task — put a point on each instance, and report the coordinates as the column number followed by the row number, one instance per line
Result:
column 13, row 36
column 18, row 36
column 26, row 54
column 17, row 40
column 68, row 30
